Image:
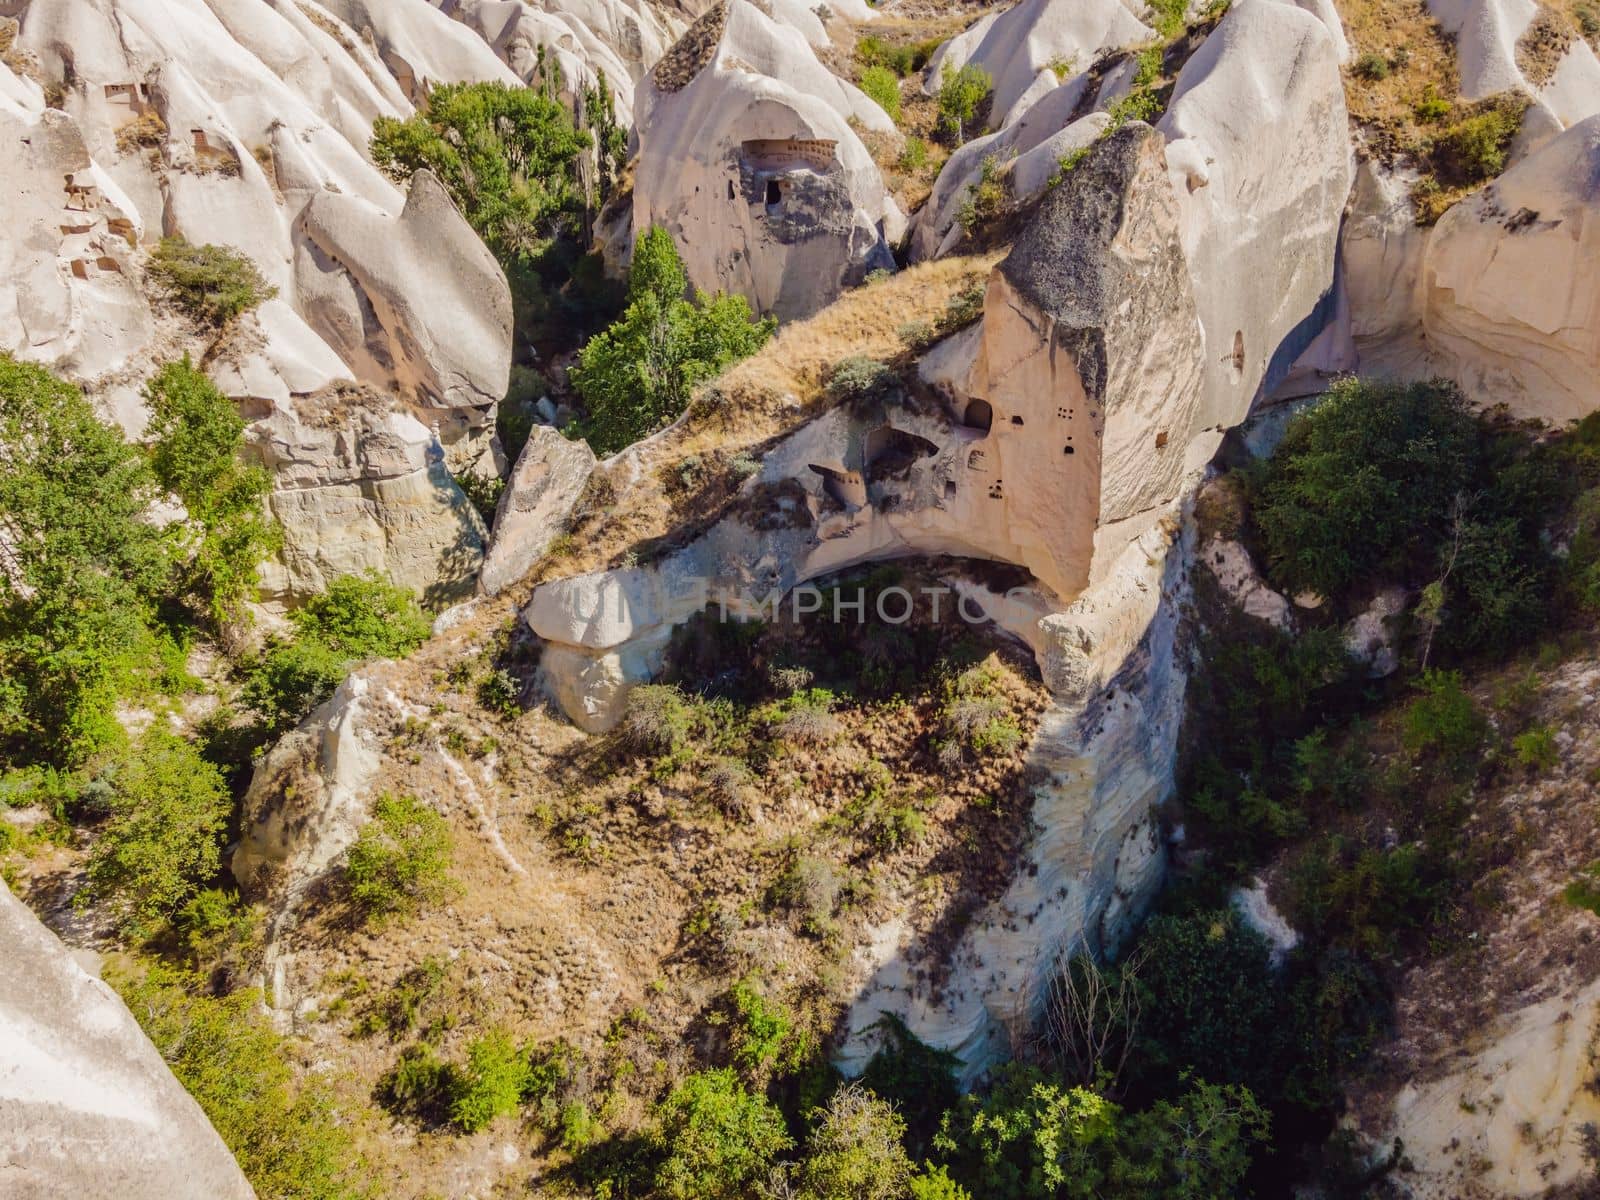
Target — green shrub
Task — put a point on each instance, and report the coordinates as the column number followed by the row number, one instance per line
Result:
column 1362, row 484
column 420, row 1085
column 357, row 618
column 659, row 718
column 861, row 378
column 500, row 692
column 882, row 87
column 811, row 888
column 1432, row 108
column 1584, row 891
column 1474, row 148
column 873, row 51
column 763, row 1037
column 1536, row 748
column 1371, row 67
column 934, row 1183
column 491, row 1084
column 401, row 1010
column 289, row 1138
column 363, row 616
column 213, row 284
column 985, row 200
column 637, row 375
column 163, row 842
column 400, row 860
column 1167, row 17
column 219, row 931
column 961, row 95
column 197, row 434
column 855, row 1152
column 914, row 155
column 1444, row 723
column 483, row 492
column 716, row 1139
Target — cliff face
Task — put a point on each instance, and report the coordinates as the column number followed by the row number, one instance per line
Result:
column 87, row 1107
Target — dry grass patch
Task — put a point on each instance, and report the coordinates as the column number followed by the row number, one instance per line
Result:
column 1544, row 43
column 683, row 478
column 1399, row 58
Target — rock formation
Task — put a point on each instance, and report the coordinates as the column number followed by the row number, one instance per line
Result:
column 548, row 479
column 1260, row 164
column 1500, row 295
column 749, row 157
column 87, row 1107
column 1054, row 439
column 246, row 123
column 1051, row 38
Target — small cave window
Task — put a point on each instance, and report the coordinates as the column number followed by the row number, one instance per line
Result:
column 1237, row 357
column 730, row 190
column 1016, row 420
column 774, row 194
column 979, row 415
column 1068, row 450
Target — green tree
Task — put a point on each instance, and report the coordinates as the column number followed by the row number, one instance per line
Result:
column 716, row 1139
column 961, row 94
column 197, row 434
column 400, row 861
column 80, row 567
column 289, row 1140
column 1197, row 1148
column 508, row 156
column 1029, row 1138
column 1363, row 483
column 637, row 375
column 163, row 842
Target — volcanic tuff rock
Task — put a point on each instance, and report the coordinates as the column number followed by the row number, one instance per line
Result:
column 245, row 123
column 547, row 481
column 1057, row 442
column 1034, row 38
column 749, row 157
column 87, row 1107
column 1260, row 162
column 1501, row 295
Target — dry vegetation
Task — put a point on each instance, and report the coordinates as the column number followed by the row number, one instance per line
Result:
column 616, row 888
column 1399, row 58
column 697, row 464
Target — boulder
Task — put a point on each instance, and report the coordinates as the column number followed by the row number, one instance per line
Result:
column 308, row 797
column 1260, row 162
column 549, row 477
column 749, row 156
column 87, row 1106
column 1371, row 639
column 1230, row 564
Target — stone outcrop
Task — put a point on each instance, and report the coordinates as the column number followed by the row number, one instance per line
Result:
column 749, row 157
column 360, row 484
column 1500, row 295
column 1034, row 38
column 87, row 1107
column 309, row 797
column 545, row 484
column 1260, row 163
column 1510, row 294
column 1027, row 153
column 415, row 303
